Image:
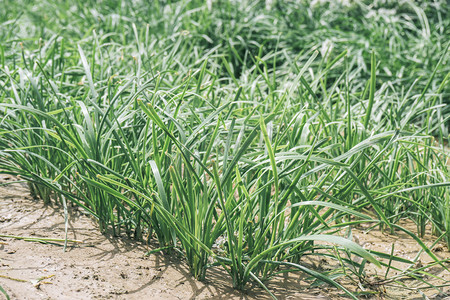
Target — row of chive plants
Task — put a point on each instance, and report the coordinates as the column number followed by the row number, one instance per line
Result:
column 248, row 162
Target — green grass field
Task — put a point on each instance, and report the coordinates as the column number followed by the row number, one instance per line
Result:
column 241, row 134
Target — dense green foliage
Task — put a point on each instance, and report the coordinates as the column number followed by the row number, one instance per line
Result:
column 242, row 134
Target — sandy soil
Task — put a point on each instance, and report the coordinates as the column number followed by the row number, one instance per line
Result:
column 103, row 267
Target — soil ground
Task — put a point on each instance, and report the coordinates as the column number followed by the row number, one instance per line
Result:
column 106, row 267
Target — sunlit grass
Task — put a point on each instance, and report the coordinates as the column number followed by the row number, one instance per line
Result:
column 240, row 135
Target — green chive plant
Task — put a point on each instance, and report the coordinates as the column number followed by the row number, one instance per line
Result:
column 233, row 133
